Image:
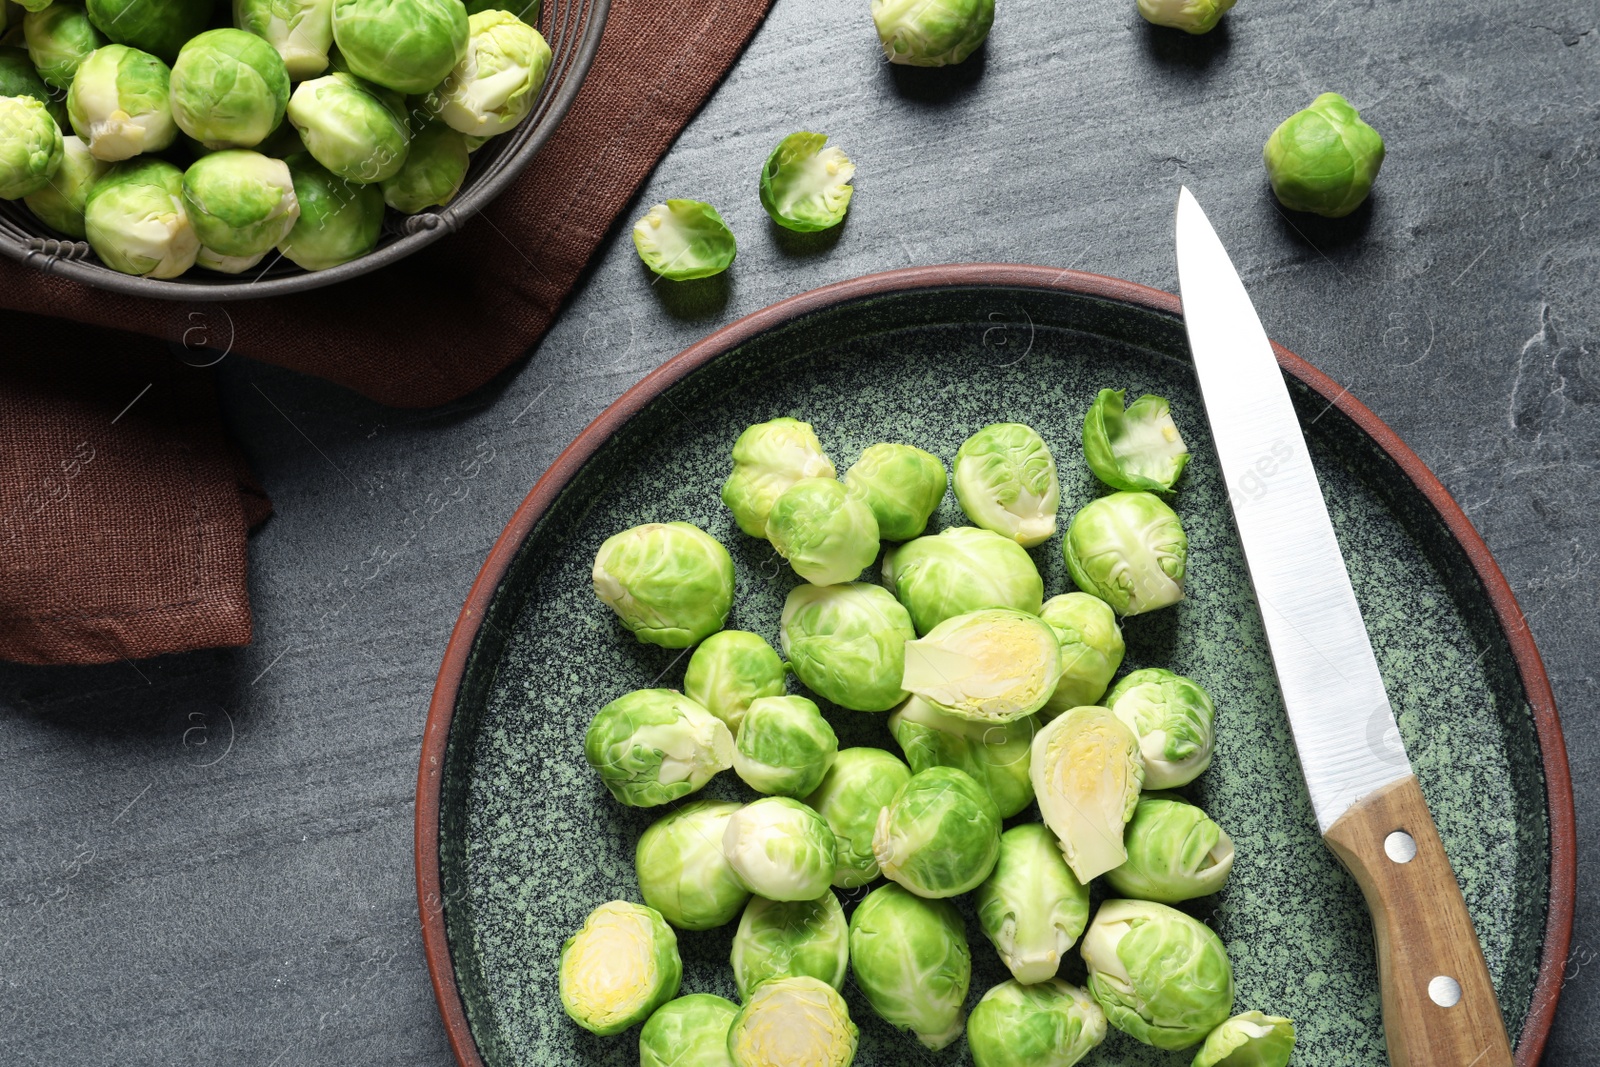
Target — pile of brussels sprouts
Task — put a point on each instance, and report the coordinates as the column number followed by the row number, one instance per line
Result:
column 998, row 699
column 160, row 137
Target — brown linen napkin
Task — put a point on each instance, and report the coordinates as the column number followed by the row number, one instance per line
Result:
column 122, row 533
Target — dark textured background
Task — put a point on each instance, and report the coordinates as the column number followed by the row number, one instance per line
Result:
column 207, row 859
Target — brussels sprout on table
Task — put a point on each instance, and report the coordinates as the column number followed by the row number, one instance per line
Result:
column 1091, row 649
column 780, row 849
column 828, row 536
column 691, row 1031
column 60, row 204
column 793, row 1022
column 339, row 220
column 406, row 46
column 1087, row 772
column 682, row 871
column 731, row 669
column 1174, row 720
column 670, row 583
column 1160, row 976
column 241, row 203
column 1128, row 549
column 991, row 666
column 784, row 746
column 856, row 788
column 806, row 187
column 1137, row 448
column 120, row 103
column 229, row 89
column 910, row 959
column 1005, row 480
column 156, row 26
column 961, row 570
column 847, row 643
column 59, row 38
column 355, row 129
column 1250, row 1039
column 940, row 834
column 136, row 223
column 1032, row 908
column 435, row 167
column 30, row 147
column 652, row 746
column 1323, row 159
column 495, row 85
column 1051, row 1024
column 1175, row 852
column 931, row 33
column 1190, row 16
column 619, row 968
column 790, row 938
column 301, row 31
column 995, row 755
column 768, row 458
column 901, row 484
column 685, row 239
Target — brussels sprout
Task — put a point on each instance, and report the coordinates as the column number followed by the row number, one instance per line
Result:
column 229, row 89
column 435, row 167
column 1051, row 1024
column 731, row 669
column 684, row 239
column 1248, row 1040
column 931, row 33
column 240, row 202
column 901, row 484
column 496, row 83
column 827, row 535
column 847, row 643
column 409, row 47
column 768, row 458
column 1086, row 773
column 339, row 220
column 806, row 187
column 995, row 754
column 961, row 570
column 59, row 37
column 1173, row 717
column 226, row 264
column 1031, row 908
column 1190, row 16
column 1005, row 480
column 940, row 834
column 991, row 666
column 301, row 31
column 1160, row 976
column 652, row 746
column 691, row 1031
column 785, row 939
column 1323, row 159
column 526, row 10
column 1128, row 549
column 1134, row 449
column 682, row 871
column 60, row 203
column 1091, row 649
column 780, row 849
column 18, row 78
column 793, row 1022
column 619, row 968
column 358, row 131
column 856, row 788
column 119, row 103
column 910, row 958
column 784, row 746
column 1175, row 852
column 136, row 223
column 670, row 583
column 30, row 147
column 156, row 26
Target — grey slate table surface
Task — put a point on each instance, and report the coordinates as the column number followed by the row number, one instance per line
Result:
column 206, row 859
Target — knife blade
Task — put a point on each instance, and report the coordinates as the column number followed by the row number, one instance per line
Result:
column 1439, row 1005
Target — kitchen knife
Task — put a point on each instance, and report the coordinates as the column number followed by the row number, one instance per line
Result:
column 1439, row 1007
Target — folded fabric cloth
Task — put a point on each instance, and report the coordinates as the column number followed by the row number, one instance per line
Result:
column 145, row 553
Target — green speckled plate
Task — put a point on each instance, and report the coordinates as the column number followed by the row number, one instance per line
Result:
column 517, row 841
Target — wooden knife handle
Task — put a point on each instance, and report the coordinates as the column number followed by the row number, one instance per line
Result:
column 1439, row 1007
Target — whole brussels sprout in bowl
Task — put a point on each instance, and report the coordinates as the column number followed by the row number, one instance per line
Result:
column 1173, row 717
column 768, row 458
column 1128, row 549
column 828, row 536
column 670, row 583
column 1160, row 976
column 960, row 570
column 901, row 484
column 1249, row 1039
column 691, row 1031
column 1175, row 852
column 729, row 671
column 847, row 643
column 1049, row 1024
column 780, row 849
column 1005, row 480
column 682, row 870
column 407, row 47
column 1091, row 649
column 790, row 938
column 784, row 746
column 30, row 147
column 994, row 754
column 229, row 89
column 652, row 746
column 940, row 834
column 1031, row 906
column 910, row 958
column 856, row 788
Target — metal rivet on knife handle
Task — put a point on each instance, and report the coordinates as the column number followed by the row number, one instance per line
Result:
column 1400, row 847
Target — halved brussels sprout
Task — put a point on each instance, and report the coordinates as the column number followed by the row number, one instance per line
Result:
column 652, row 746
column 1091, row 649
column 59, row 38
column 806, row 187
column 828, row 536
column 229, row 89
column 682, row 871
column 408, row 47
column 931, row 33
column 1250, row 1039
column 1051, row 1024
column 357, row 130
column 991, row 666
column 910, row 958
column 339, row 220
column 1160, row 976
column 684, row 239
column 940, row 834
column 780, row 849
column 691, row 1031
column 995, row 754
column 784, row 746
column 1087, row 773
column 1134, row 449
column 242, row 203
column 731, row 669
column 435, row 167
column 847, row 643
column 496, row 83
column 136, row 223
column 768, row 458
column 1323, row 159
column 1005, row 479
column 301, row 31
column 793, row 1022
column 156, row 26
column 856, row 788
column 619, row 968
column 120, row 103
column 1032, row 908
column 1174, row 720
column 1190, row 16
column 1175, row 852
column 670, row 583
column 30, row 147
column 961, row 570
column 60, row 204
column 1128, row 549
column 901, row 484
column 786, row 939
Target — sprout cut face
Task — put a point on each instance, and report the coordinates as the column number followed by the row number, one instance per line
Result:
column 1323, row 159
column 59, row 38
column 619, row 968
column 828, row 536
column 671, row 583
column 496, row 83
column 30, row 147
column 358, row 131
column 991, row 666
column 338, row 222
column 1051, row 1024
column 901, row 484
column 856, row 788
column 768, row 458
column 60, row 204
column 1128, row 549
column 1175, row 852
column 804, row 186
column 731, row 669
column 931, row 33
column 1091, row 649
column 847, row 643
column 241, row 203
column 229, row 89
column 788, row 939
column 1174, row 720
column 1160, row 976
column 1190, row 16
column 435, row 167
column 652, row 746
column 910, row 958
column 1136, row 449
column 961, row 570
column 1005, row 480
column 691, row 1031
column 682, row 871
column 684, row 239
column 793, row 1022
column 1248, row 1040
column 120, row 103
column 780, row 849
column 408, row 47
column 1087, row 773
column 136, row 222
column 994, row 754
column 301, row 31
column 784, row 746
column 1032, row 908
column 940, row 835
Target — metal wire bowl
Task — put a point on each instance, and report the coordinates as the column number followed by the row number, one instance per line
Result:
column 573, row 28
